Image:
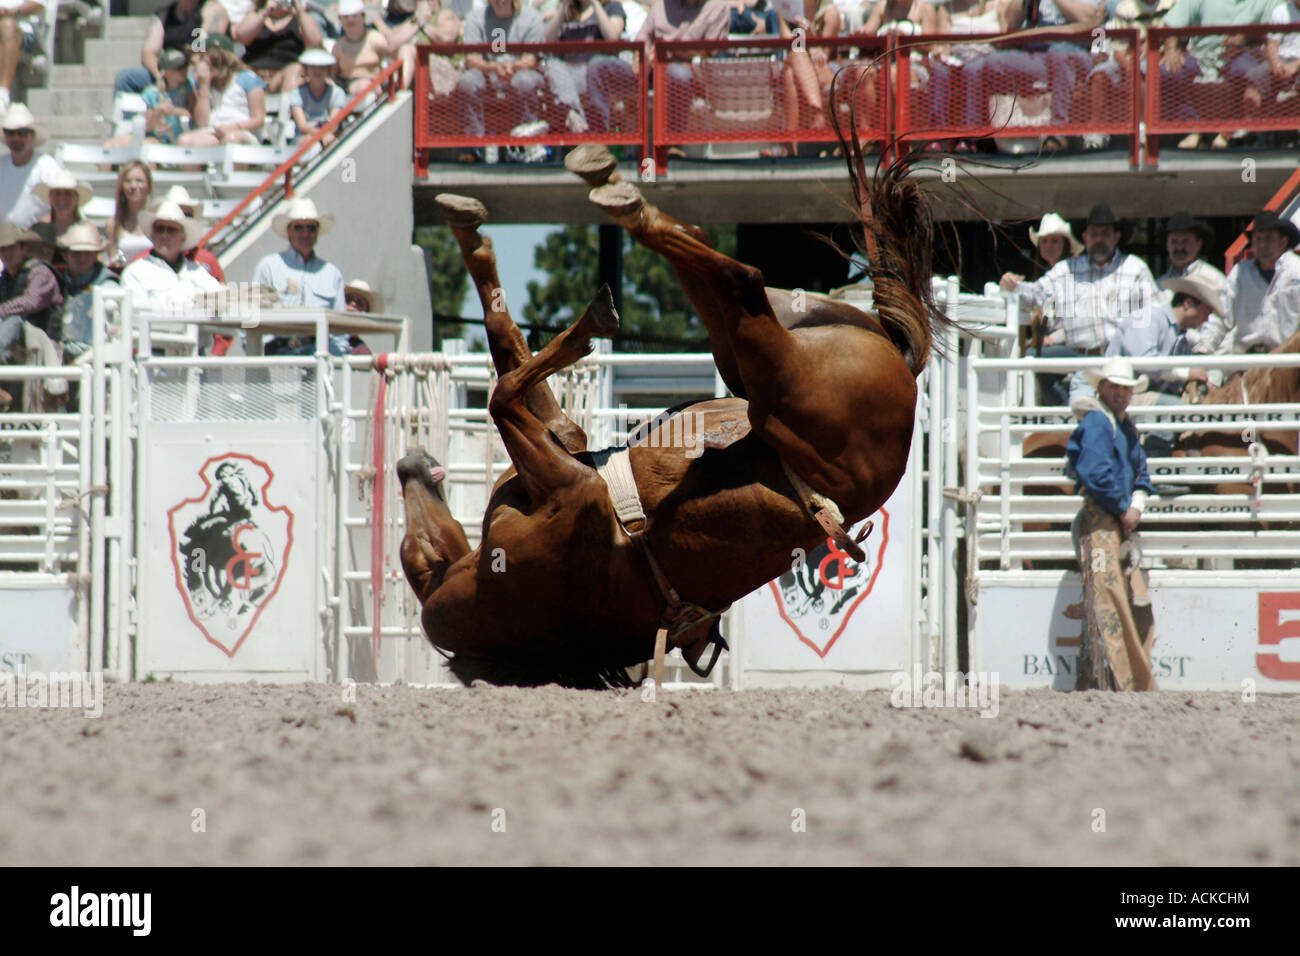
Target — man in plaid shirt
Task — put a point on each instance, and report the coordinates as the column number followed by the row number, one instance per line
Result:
column 1083, row 297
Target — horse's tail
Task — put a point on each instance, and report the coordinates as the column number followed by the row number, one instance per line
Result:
column 897, row 238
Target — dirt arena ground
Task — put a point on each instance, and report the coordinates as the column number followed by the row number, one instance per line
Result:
column 485, row 775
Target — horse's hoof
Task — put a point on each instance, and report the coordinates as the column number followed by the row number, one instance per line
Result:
column 620, row 200
column 594, row 163
column 603, row 313
column 461, row 211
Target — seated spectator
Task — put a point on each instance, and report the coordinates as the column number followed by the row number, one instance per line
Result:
column 176, row 27
column 1054, row 241
column 126, row 234
column 298, row 275
column 82, row 248
column 361, row 298
column 230, row 105
column 610, row 77
column 361, row 50
column 427, row 24
column 1225, row 56
column 493, row 74
column 313, row 103
column 1112, row 71
column 18, row 23
column 180, row 196
column 168, row 102
column 576, row 22
column 1281, row 69
column 41, row 244
column 22, row 170
column 275, row 33
column 165, row 281
column 807, row 74
column 29, row 291
column 65, row 194
column 1262, row 294
column 747, row 21
column 1186, row 241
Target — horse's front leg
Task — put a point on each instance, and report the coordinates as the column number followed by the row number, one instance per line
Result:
column 434, row 540
column 506, row 342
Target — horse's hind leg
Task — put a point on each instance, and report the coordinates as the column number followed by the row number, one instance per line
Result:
column 544, row 468
column 505, row 342
column 434, row 540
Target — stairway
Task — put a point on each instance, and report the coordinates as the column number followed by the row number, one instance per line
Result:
column 77, row 106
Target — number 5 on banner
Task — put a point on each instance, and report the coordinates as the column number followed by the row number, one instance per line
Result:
column 1272, row 632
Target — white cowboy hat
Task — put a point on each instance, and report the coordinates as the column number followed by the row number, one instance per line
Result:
column 1118, row 370
column 1054, row 225
column 360, row 287
column 64, row 180
column 81, row 237
column 299, row 210
column 170, row 212
column 18, row 116
column 179, row 195
column 1199, row 287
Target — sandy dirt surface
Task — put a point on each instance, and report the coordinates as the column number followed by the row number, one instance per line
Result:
column 485, row 775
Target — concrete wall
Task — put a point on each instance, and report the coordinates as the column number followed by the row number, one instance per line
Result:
column 367, row 187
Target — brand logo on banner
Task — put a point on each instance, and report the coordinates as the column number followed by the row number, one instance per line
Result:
column 233, row 548
column 819, row 594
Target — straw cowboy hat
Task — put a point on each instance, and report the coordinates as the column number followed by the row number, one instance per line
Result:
column 1118, row 370
column 1199, row 287
column 64, row 180
column 361, row 288
column 171, row 212
column 301, row 210
column 11, row 235
column 18, row 116
column 179, row 195
column 82, row 237
column 1054, row 225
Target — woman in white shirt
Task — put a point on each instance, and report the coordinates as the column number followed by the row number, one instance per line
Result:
column 126, row 238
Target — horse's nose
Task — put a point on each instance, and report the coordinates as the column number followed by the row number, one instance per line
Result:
column 420, row 465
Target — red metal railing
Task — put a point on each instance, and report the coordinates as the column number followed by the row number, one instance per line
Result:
column 908, row 90
column 613, row 98
column 387, row 77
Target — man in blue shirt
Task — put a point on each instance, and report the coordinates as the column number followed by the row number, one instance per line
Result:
column 298, row 275
column 1106, row 460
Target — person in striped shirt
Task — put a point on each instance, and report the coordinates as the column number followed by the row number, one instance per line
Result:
column 1083, row 297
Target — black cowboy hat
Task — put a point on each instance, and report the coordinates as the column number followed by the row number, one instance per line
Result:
column 1184, row 222
column 1101, row 215
column 1268, row 219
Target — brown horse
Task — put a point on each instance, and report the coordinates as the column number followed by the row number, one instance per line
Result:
column 559, row 590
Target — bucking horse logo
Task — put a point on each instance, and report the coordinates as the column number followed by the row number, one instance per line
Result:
column 819, row 593
column 230, row 548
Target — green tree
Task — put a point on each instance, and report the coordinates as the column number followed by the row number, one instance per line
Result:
column 653, row 301
column 448, row 280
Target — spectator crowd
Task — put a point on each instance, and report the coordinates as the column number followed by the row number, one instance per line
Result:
column 207, row 68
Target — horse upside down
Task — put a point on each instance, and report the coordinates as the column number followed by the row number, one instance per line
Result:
column 831, row 392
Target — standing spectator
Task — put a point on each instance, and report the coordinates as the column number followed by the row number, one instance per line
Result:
column 65, row 194
column 164, row 280
column 297, row 274
column 18, row 20
column 1110, row 468
column 496, row 73
column 22, row 170
column 275, row 33
column 579, row 21
column 230, row 105
column 1229, row 57
column 1262, row 307
column 181, row 25
column 313, row 103
column 426, row 24
column 126, row 235
column 82, row 248
column 1084, row 296
column 1186, row 241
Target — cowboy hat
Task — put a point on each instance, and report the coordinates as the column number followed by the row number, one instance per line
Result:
column 1269, row 220
column 64, row 180
column 1184, row 222
column 1054, row 225
column 301, row 209
column 1199, row 287
column 1101, row 215
column 361, row 288
column 179, row 195
column 170, row 212
column 81, row 237
column 11, row 235
column 1118, row 370
column 18, row 116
